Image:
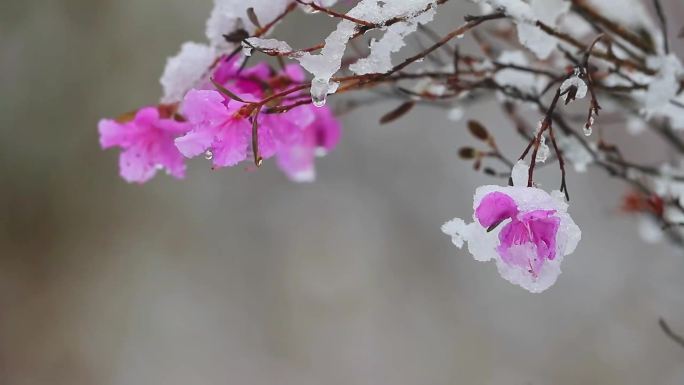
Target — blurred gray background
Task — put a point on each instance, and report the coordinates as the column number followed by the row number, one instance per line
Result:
column 235, row 277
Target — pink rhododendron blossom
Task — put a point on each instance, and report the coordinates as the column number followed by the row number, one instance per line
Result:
column 220, row 125
column 148, row 144
column 524, row 229
column 297, row 157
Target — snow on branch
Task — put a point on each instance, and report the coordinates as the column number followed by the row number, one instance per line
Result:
column 571, row 76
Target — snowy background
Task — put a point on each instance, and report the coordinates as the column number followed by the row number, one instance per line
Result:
column 237, row 277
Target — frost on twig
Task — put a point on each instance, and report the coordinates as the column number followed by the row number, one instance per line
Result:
column 526, row 14
column 268, row 46
column 324, row 65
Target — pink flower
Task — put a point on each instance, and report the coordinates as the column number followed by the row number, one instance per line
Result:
column 219, row 127
column 250, row 80
column 524, row 229
column 528, row 240
column 297, row 157
column 300, row 134
column 148, row 144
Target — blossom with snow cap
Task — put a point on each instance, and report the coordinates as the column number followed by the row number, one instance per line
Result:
column 525, row 230
column 148, row 144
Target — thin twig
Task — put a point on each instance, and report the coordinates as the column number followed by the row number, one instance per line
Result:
column 678, row 339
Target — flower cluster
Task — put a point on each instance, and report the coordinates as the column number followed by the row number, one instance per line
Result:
column 218, row 124
column 537, row 62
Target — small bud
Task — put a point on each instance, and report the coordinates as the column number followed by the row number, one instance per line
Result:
column 253, row 17
column 467, row 153
column 477, row 164
column 478, row 130
column 398, row 112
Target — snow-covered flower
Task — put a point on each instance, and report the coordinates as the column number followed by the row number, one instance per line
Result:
column 525, row 230
column 148, row 144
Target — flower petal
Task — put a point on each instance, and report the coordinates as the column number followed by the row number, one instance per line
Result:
column 494, row 208
column 135, row 165
column 231, row 143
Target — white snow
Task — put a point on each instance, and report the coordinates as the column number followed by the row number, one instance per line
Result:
column 524, row 81
column 543, row 151
column 325, row 64
column 664, row 85
column 380, row 58
column 520, row 174
column 228, row 15
column 185, row 70
column 575, row 153
column 268, row 45
column 525, row 14
column 456, row 114
column 649, row 230
column 575, row 81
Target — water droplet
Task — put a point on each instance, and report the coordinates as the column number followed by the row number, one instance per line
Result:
column 588, row 128
column 543, row 152
column 319, row 92
column 208, row 155
column 319, row 101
